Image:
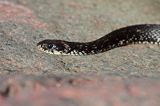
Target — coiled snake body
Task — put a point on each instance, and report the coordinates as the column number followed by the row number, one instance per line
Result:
column 145, row 33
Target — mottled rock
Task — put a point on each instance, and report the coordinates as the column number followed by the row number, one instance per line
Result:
column 81, row 90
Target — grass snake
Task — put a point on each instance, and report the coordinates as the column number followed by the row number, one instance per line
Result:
column 143, row 33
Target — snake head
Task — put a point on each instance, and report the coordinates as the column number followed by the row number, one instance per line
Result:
column 54, row 46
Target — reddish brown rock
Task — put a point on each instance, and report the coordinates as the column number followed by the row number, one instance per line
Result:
column 79, row 90
column 19, row 14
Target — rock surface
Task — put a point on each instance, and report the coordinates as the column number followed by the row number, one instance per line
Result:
column 127, row 76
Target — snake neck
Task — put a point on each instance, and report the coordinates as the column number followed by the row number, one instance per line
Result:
column 118, row 38
column 87, row 48
column 78, row 48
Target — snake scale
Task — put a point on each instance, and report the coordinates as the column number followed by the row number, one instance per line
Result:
column 143, row 33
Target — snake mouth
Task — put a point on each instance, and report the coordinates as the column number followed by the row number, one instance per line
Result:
column 44, row 50
column 57, row 47
column 55, row 52
column 40, row 48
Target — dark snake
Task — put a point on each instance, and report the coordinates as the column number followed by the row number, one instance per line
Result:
column 144, row 33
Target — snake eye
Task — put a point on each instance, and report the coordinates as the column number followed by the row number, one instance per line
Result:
column 50, row 46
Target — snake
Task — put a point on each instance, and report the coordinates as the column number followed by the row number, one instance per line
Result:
column 133, row 34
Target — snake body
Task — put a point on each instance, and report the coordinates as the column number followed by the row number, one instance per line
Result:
column 144, row 33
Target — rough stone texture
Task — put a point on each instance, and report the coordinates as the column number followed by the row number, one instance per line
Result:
column 79, row 90
column 23, row 23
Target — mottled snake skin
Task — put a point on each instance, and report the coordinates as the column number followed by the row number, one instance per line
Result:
column 145, row 33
